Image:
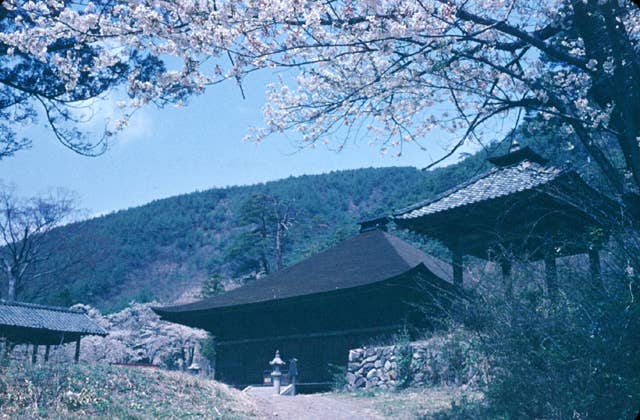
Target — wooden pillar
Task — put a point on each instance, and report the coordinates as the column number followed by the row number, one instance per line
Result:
column 76, row 358
column 46, row 353
column 34, row 355
column 6, row 351
column 507, row 279
column 457, row 267
column 594, row 266
column 551, row 273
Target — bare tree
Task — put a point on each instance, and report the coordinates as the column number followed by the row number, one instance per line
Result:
column 24, row 224
column 283, row 219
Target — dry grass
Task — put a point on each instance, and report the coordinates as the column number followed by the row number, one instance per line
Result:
column 415, row 403
column 84, row 391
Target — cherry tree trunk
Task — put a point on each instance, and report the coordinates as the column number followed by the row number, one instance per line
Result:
column 279, row 233
column 11, row 292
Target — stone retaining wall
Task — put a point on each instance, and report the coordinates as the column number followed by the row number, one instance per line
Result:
column 442, row 360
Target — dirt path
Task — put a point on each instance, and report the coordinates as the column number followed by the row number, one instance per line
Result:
column 308, row 407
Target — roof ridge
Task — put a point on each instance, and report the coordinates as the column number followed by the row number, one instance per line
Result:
column 431, row 262
column 548, row 168
column 446, row 193
column 39, row 306
column 394, row 238
column 536, row 169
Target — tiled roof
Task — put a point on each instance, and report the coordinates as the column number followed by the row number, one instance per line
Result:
column 52, row 318
column 498, row 182
column 366, row 258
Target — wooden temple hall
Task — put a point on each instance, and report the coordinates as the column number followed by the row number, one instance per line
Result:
column 38, row 325
column 374, row 284
column 522, row 209
column 367, row 287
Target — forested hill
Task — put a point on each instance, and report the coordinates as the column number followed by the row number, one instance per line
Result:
column 166, row 249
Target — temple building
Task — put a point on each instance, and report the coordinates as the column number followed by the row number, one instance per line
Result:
column 368, row 287
column 374, row 284
column 523, row 208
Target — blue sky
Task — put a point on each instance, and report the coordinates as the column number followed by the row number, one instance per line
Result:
column 178, row 150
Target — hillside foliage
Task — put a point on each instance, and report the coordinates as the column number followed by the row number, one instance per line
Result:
column 167, row 250
column 172, row 246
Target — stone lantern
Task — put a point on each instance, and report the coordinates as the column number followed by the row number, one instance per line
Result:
column 276, row 374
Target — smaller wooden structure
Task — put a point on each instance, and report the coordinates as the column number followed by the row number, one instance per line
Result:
column 523, row 208
column 39, row 325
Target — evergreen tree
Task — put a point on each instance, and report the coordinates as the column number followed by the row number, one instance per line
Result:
column 212, row 286
column 258, row 250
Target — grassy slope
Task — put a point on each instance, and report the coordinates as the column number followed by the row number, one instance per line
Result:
column 83, row 391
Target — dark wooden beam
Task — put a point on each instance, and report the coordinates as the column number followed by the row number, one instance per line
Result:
column 76, row 357
column 46, row 353
column 6, row 350
column 34, row 355
column 388, row 328
column 595, row 267
column 457, row 267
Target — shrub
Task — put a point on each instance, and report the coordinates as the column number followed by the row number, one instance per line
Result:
column 404, row 358
column 338, row 376
column 573, row 358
